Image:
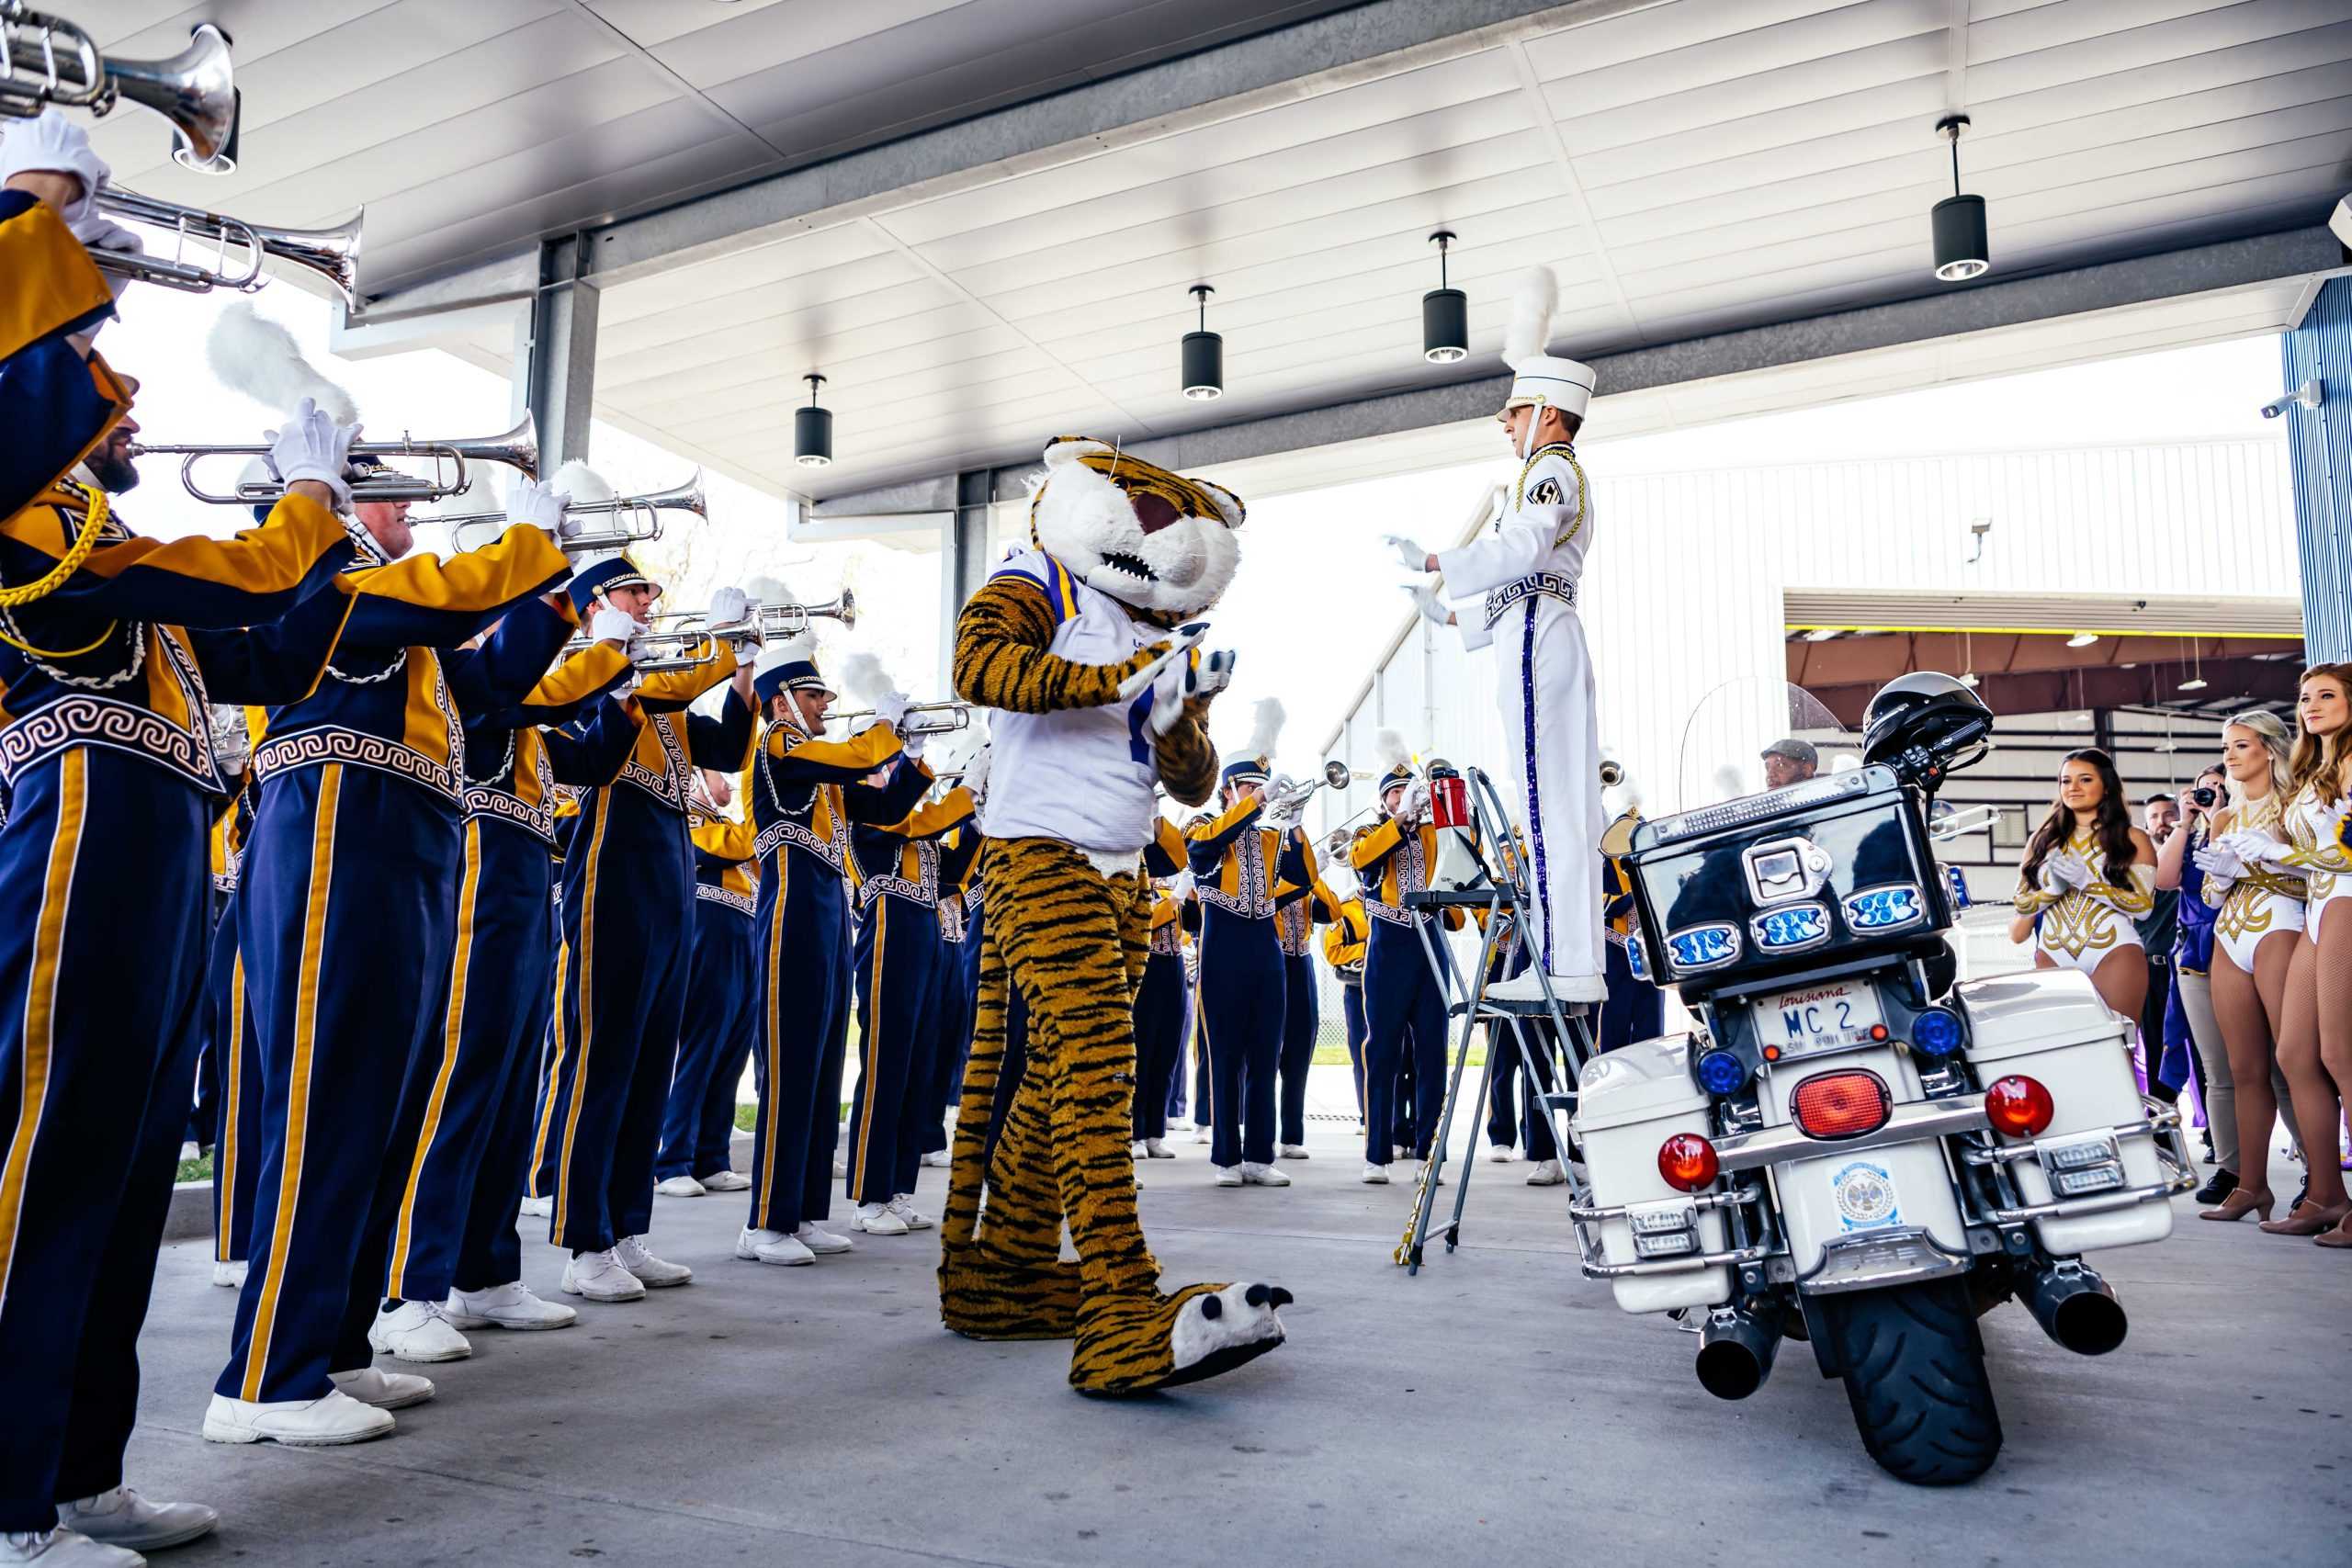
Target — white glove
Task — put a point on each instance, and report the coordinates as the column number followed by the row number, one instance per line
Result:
column 52, row 144
column 976, row 772
column 1180, row 679
column 609, row 625
column 1415, row 804
column 728, row 607
column 2070, row 868
column 311, row 445
column 1414, row 557
column 1432, row 608
column 890, row 709
column 1180, row 886
column 541, row 506
column 2219, row 863
column 99, row 233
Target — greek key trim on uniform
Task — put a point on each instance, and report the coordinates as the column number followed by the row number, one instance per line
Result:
column 922, row 888
column 84, row 720
column 669, row 786
column 314, row 747
column 1252, row 903
column 777, row 834
column 481, row 800
column 738, row 902
column 1542, row 584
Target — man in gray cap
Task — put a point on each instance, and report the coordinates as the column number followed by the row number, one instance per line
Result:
column 1790, row 761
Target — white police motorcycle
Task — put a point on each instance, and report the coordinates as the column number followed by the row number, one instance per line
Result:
column 1849, row 1147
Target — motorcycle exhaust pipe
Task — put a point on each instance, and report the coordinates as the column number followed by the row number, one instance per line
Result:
column 2077, row 1308
column 1735, row 1350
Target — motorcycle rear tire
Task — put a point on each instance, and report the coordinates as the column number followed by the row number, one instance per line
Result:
column 1914, row 1375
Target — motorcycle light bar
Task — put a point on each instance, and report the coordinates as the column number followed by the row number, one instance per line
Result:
column 1755, row 807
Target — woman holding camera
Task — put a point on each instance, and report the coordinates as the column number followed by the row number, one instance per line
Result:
column 2087, row 876
column 2315, row 1046
column 2259, row 919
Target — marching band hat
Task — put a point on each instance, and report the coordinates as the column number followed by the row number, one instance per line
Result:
column 787, row 669
column 1248, row 771
column 1402, row 774
column 613, row 571
column 1538, row 377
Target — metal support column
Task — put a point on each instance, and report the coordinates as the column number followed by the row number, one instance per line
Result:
column 963, row 563
column 558, row 382
column 2319, row 443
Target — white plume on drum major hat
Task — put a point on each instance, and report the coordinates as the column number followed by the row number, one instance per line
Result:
column 1538, row 376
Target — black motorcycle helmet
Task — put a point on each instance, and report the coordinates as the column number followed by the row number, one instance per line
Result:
column 1925, row 725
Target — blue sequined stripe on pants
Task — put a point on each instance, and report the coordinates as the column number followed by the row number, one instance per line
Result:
column 714, row 1041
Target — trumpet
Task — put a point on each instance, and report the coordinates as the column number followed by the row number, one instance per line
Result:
column 635, row 519
column 776, row 621
column 684, row 639
column 1292, row 804
column 517, row 448
column 240, row 248
column 47, row 59
column 922, row 719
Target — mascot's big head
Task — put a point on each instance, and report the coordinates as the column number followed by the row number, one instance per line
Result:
column 1160, row 543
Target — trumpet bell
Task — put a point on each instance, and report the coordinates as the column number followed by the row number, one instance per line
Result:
column 1336, row 774
column 517, row 450
column 331, row 255
column 196, row 90
column 844, row 610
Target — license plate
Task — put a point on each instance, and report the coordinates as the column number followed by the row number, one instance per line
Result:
column 1819, row 1017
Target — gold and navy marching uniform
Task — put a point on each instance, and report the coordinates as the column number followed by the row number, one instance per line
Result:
column 466, row 1108
column 1307, row 904
column 111, row 647
column 231, row 1058
column 629, row 918
column 1161, row 1002
column 715, row 1031
column 1236, row 868
column 1343, row 950
column 805, row 794
column 959, row 858
column 1404, row 1003
column 900, row 960
column 350, row 897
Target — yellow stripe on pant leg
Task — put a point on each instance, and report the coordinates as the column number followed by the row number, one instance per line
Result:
column 453, row 1022
column 554, row 1074
column 224, row 1154
column 40, row 999
column 873, row 1046
column 773, row 1111
column 297, row 1077
column 587, row 1006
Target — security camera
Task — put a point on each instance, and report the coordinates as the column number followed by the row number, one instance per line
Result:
column 2307, row 395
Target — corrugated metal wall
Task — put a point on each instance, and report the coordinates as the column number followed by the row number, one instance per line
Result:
column 2320, row 441
column 1683, row 597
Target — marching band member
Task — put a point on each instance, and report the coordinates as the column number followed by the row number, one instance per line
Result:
column 1159, row 1017
column 1404, row 1002
column 466, row 1108
column 108, row 767
column 899, row 963
column 231, row 1055
column 1635, row 1009
column 1310, row 904
column 352, row 871
column 1343, row 950
column 1234, row 865
column 715, row 1033
column 806, row 792
column 627, row 915
column 959, row 859
column 1527, row 568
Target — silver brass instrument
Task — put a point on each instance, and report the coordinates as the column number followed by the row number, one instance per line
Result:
column 1612, row 772
column 635, row 519
column 683, row 639
column 239, row 248
column 922, row 719
column 517, row 448
column 776, row 621
column 46, row 59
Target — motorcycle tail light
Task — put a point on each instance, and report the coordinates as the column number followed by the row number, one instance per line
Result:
column 1841, row 1105
column 2019, row 1106
column 1687, row 1162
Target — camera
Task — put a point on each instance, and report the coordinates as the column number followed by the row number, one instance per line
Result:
column 2205, row 795
column 2308, row 395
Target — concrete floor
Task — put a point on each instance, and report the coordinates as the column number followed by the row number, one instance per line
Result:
column 1495, row 1409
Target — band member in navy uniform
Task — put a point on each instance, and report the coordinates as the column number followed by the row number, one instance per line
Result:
column 1343, row 950
column 1306, row 905
column 1404, row 1003
column 1234, row 865
column 459, row 1114
column 806, row 792
column 231, row 1056
column 715, row 1034
column 349, row 897
column 1161, row 1007
column 959, row 859
column 627, row 919
column 1635, row 1009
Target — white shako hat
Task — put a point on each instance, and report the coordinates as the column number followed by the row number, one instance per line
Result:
column 1539, row 378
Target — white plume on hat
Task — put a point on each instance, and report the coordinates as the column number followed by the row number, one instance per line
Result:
column 1538, row 377
column 1266, row 732
column 1389, row 749
column 799, row 645
column 1532, row 304
column 770, row 591
column 252, row 354
column 864, row 679
column 580, row 485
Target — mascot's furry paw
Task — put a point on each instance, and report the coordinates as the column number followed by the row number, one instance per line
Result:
column 984, row 1298
column 1134, row 1345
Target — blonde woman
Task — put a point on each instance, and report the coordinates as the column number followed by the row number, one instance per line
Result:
column 2087, row 876
column 2260, row 920
column 2315, row 1046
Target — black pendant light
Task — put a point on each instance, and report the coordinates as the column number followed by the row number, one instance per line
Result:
column 1204, row 355
column 1445, row 313
column 1960, row 251
column 812, row 430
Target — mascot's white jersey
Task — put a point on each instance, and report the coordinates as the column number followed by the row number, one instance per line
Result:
column 1084, row 775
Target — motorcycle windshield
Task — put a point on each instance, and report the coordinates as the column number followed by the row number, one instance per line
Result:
column 1730, row 742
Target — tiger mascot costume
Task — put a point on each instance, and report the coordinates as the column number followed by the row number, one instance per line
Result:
column 1122, row 554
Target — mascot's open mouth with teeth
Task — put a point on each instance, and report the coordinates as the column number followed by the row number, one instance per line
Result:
column 1160, row 543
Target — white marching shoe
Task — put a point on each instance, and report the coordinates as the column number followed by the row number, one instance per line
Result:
column 1256, row 1175
column 841, row 1165
column 1567, row 989
column 415, row 1331
column 1137, row 1151
column 820, row 1241
column 230, row 1276
column 1180, row 1124
column 679, row 1187
column 1401, row 1152
column 875, row 1219
column 600, row 1277
column 63, row 1547
column 935, row 1160
column 725, row 1181
column 511, row 1305
column 1292, row 1151
column 653, row 1272
column 536, row 1208
column 771, row 1246
column 1202, row 1136
column 1157, row 1148
column 296, row 1423
column 1374, row 1176
column 123, row 1519
column 903, row 1205
column 385, row 1391
column 1547, row 1173
column 1228, row 1176
column 1499, row 1153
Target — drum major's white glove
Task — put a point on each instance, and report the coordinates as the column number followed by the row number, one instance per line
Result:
column 1414, row 557
column 1427, row 600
